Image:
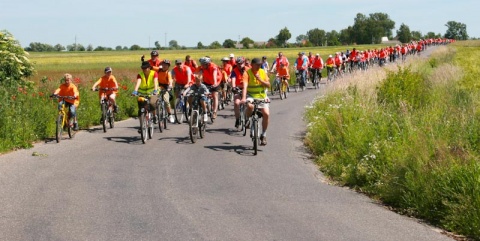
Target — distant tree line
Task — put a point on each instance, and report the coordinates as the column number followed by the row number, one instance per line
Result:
column 365, row 30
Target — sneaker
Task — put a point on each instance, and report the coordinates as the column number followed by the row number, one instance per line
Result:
column 247, row 124
column 205, row 117
column 75, row 126
column 139, row 131
column 263, row 140
column 171, row 118
column 237, row 123
column 155, row 121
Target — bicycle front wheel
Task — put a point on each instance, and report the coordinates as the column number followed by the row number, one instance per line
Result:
column 255, row 135
column 111, row 119
column 159, row 115
column 104, row 117
column 178, row 111
column 143, row 127
column 71, row 132
column 150, row 125
column 193, row 124
column 59, row 128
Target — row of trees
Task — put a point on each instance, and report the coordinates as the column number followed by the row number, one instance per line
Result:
column 365, row 30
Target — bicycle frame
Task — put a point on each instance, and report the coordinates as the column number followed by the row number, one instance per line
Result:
column 63, row 119
column 254, row 124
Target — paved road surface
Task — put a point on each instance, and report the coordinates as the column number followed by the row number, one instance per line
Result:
column 110, row 186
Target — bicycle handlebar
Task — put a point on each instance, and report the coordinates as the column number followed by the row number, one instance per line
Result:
column 63, row 97
column 105, row 89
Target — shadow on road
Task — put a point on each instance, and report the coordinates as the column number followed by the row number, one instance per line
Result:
column 136, row 140
column 239, row 149
column 178, row 140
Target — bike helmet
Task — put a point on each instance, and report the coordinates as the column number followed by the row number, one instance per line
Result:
column 154, row 53
column 166, row 61
column 225, row 59
column 207, row 60
column 240, row 60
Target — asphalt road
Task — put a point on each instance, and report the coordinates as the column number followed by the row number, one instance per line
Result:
column 110, row 186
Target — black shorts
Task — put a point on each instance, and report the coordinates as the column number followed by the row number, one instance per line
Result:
column 212, row 89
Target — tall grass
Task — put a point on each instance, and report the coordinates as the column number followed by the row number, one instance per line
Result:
column 410, row 140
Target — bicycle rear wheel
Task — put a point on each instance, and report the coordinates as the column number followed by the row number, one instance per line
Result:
column 59, row 128
column 143, row 127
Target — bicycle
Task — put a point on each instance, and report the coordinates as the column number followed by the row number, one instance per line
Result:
column 210, row 106
column 108, row 113
column 254, row 127
column 197, row 125
column 316, row 78
column 241, row 107
column 146, row 118
column 162, row 115
column 180, row 110
column 63, row 119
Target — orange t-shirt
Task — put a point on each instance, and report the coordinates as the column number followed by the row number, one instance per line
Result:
column 70, row 90
column 164, row 77
column 107, row 82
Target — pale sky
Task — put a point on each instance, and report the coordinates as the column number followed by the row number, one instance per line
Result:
column 121, row 22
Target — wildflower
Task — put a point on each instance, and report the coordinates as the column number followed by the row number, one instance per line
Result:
column 124, row 87
column 77, row 80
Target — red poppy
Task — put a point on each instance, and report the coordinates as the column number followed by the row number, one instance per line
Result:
column 124, row 87
column 77, row 80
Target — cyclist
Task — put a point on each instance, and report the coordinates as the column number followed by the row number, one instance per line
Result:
column 69, row 89
column 154, row 60
column 109, row 82
column 182, row 77
column 281, row 64
column 191, row 63
column 264, row 64
column 226, row 71
column 232, row 60
column 317, row 66
column 200, row 88
column 256, row 85
column 338, row 63
column 210, row 76
column 165, row 82
column 238, row 77
column 301, row 65
column 330, row 65
column 147, row 84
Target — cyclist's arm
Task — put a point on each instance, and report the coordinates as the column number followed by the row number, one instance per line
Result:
column 155, row 81
column 245, row 85
column 189, row 77
column 115, row 82
column 137, row 85
column 215, row 81
column 96, row 83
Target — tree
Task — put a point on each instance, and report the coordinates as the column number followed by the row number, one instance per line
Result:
column 301, row 39
column 316, row 36
column 345, row 36
column 271, row 43
column 118, row 48
column 39, row 47
column 416, row 35
column 157, row 45
column 15, row 67
column 173, row 44
column 456, row 30
column 228, row 43
column 75, row 47
column 59, row 47
column 89, row 47
column 215, row 45
column 246, row 42
column 200, row 45
column 380, row 25
column 432, row 35
column 135, row 47
column 283, row 36
column 333, row 38
column 370, row 29
column 403, row 34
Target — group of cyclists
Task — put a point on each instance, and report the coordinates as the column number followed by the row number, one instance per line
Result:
column 245, row 79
